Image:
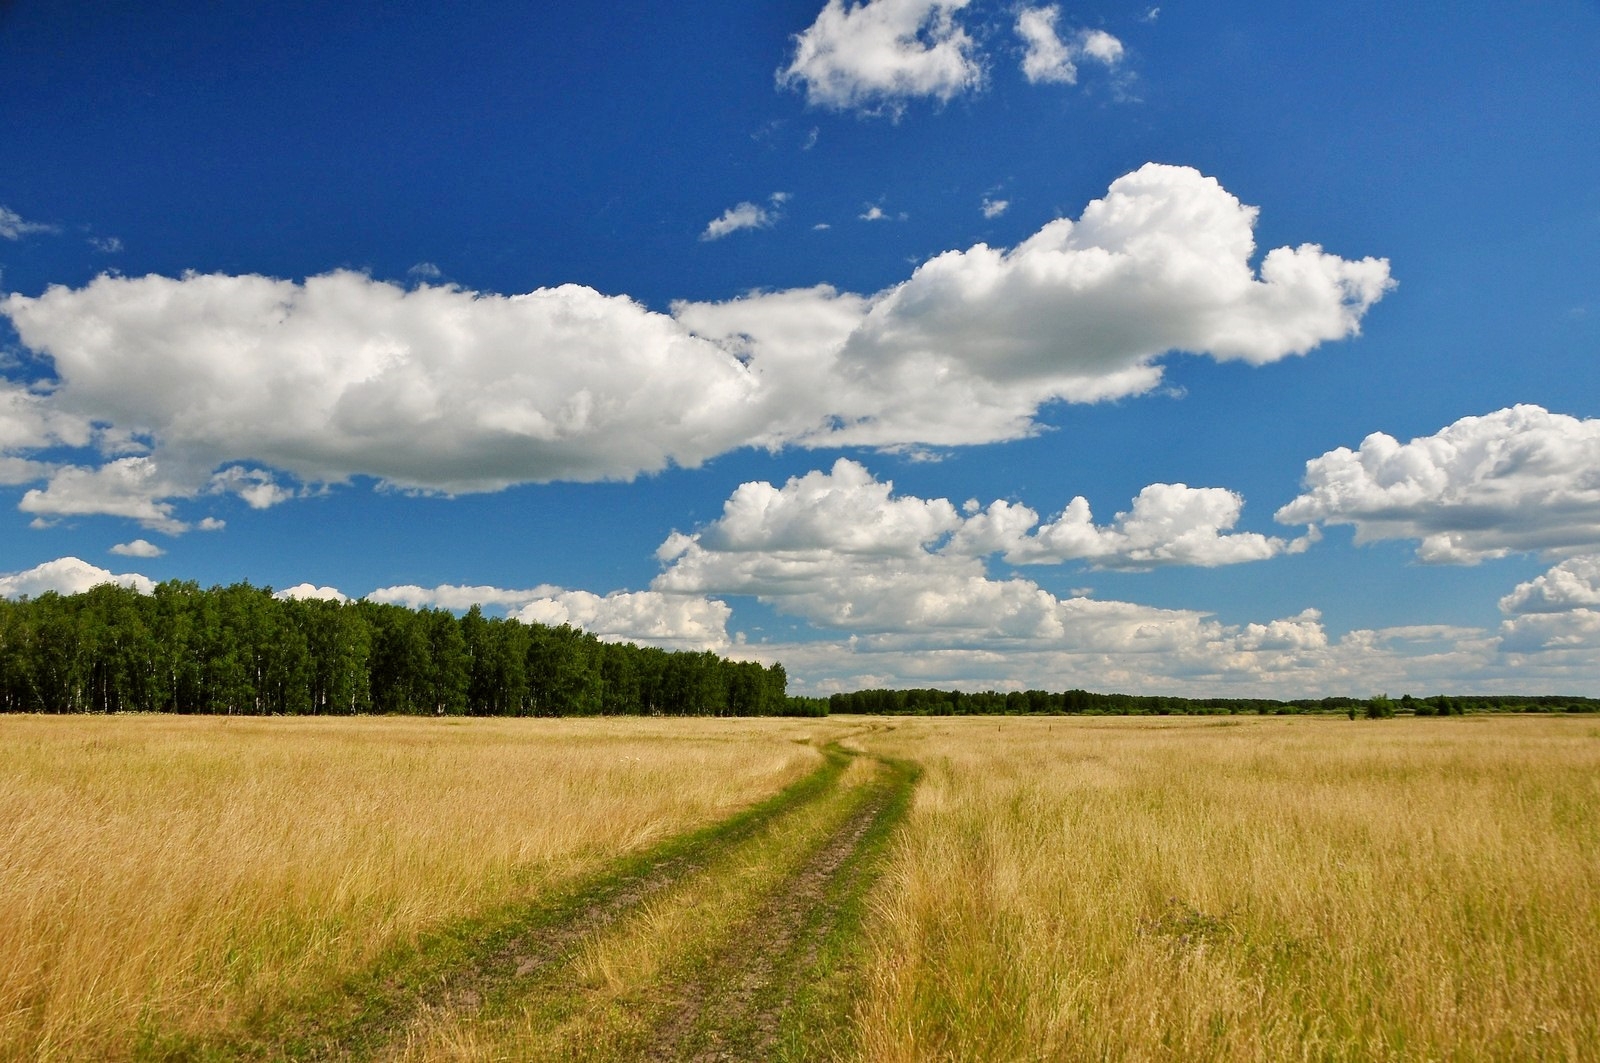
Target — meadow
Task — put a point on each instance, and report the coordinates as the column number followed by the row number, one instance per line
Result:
column 165, row 874
column 1255, row 888
column 1243, row 888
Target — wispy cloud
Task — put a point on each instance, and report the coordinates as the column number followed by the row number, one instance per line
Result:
column 1050, row 59
column 746, row 215
column 14, row 227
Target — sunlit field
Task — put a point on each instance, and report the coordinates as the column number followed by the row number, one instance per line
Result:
column 170, row 873
column 1250, row 888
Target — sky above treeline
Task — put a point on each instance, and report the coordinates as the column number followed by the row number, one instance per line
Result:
column 1247, row 349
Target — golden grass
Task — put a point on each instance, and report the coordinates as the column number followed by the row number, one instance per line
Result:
column 1110, row 889
column 1252, row 889
column 168, row 874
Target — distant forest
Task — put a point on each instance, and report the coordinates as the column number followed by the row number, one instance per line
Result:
column 1082, row 702
column 240, row 650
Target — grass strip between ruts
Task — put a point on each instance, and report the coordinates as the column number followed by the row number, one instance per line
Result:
column 804, row 1010
column 817, row 1021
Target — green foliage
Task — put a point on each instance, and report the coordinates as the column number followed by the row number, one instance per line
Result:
column 238, row 649
column 1380, row 708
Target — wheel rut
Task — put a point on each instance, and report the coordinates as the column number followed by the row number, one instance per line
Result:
column 737, row 1010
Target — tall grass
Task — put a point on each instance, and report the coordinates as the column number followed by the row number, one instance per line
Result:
column 1255, row 889
column 167, row 874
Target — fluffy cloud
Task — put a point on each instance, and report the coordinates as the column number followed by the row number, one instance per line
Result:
column 845, row 510
column 431, row 388
column 221, row 384
column 1557, row 614
column 126, row 487
column 29, row 420
column 1169, row 524
column 971, row 346
column 743, row 216
column 1539, row 641
column 670, row 620
column 1516, row 480
column 67, row 575
column 309, row 592
column 1573, row 584
column 746, row 216
column 904, row 584
column 137, row 548
column 1050, row 59
column 876, row 55
column 841, row 550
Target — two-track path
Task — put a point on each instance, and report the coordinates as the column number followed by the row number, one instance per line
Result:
column 742, row 940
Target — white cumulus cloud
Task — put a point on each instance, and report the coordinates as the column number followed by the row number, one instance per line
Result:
column 246, row 385
column 672, row 621
column 976, row 341
column 433, row 387
column 310, row 592
column 30, row 420
column 905, row 586
column 1573, row 584
column 137, row 548
column 669, row 620
column 1517, row 480
column 876, row 55
column 67, row 575
column 1546, row 641
column 133, row 488
column 842, row 550
column 1169, row 524
column 1556, row 616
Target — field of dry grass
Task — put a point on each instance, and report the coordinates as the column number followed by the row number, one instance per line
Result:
column 1060, row 889
column 163, row 874
column 1253, row 889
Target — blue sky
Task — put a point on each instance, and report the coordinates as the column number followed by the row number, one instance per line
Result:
column 1192, row 349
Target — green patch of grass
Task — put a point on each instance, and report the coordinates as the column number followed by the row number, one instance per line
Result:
column 822, row 990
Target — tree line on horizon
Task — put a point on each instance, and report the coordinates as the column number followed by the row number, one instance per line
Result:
column 934, row 702
column 241, row 650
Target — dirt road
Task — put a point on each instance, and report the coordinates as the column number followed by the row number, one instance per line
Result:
column 742, row 940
